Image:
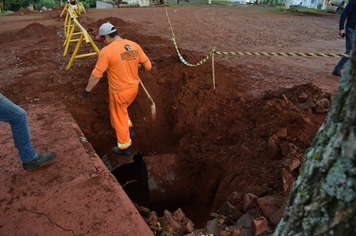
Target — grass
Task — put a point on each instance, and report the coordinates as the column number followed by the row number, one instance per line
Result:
column 299, row 10
column 4, row 13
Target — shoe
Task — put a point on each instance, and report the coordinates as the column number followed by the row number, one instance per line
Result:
column 124, row 152
column 41, row 159
column 132, row 133
column 337, row 73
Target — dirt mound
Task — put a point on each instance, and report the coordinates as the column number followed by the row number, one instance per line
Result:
column 34, row 30
column 26, row 12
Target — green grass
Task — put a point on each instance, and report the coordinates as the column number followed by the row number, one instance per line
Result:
column 4, row 13
column 299, row 10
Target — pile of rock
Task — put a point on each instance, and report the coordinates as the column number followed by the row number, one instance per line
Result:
column 242, row 214
column 174, row 224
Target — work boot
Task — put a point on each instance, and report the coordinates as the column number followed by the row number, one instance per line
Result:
column 337, row 73
column 124, row 152
column 132, row 133
column 40, row 159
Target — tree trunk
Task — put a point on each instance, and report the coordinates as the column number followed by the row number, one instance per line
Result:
column 287, row 6
column 323, row 198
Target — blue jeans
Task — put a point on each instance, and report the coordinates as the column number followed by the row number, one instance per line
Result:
column 17, row 118
column 350, row 38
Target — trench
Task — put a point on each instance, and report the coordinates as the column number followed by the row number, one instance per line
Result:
column 205, row 143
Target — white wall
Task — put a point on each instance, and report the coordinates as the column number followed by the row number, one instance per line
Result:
column 102, row 5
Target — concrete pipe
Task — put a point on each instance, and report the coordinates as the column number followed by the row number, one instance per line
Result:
column 339, row 3
column 334, row 9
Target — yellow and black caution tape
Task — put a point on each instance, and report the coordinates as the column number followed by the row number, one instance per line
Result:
column 185, row 62
column 283, row 54
column 211, row 54
column 248, row 53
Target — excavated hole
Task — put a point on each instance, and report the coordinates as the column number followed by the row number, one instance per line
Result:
column 205, row 143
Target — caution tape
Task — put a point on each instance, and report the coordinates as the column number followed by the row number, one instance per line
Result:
column 286, row 54
column 211, row 54
column 185, row 62
column 248, row 53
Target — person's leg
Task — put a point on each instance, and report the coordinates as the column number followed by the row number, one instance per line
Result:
column 17, row 118
column 119, row 117
column 350, row 38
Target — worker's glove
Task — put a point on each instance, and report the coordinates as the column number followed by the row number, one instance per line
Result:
column 85, row 93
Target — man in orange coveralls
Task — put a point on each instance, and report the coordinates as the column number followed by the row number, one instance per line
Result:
column 120, row 58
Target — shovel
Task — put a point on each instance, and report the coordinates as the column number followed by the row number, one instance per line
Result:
column 153, row 106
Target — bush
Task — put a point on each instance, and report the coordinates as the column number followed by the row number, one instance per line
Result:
column 47, row 3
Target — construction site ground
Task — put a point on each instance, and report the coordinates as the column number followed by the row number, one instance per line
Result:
column 246, row 135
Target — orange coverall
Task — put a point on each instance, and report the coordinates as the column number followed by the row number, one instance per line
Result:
column 120, row 60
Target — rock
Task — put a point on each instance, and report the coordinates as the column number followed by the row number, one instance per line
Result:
column 302, row 97
column 221, row 221
column 178, row 214
column 96, row 127
column 288, row 179
column 324, row 103
column 170, row 224
column 144, row 211
column 235, row 231
column 282, row 133
column 291, row 164
column 245, row 221
column 288, row 148
column 235, row 198
column 153, row 220
column 324, row 95
column 230, row 211
column 189, row 227
column 223, row 233
column 199, row 231
column 306, row 106
column 249, row 201
column 276, row 218
column 213, row 227
column 321, row 110
column 259, row 191
column 246, row 232
column 259, row 226
column 213, row 214
column 271, row 204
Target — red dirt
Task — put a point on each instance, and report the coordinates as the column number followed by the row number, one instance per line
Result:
column 220, row 138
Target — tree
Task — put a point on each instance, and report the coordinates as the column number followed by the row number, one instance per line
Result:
column 323, row 198
column 15, row 5
column 287, row 4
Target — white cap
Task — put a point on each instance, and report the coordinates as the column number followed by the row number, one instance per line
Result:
column 105, row 29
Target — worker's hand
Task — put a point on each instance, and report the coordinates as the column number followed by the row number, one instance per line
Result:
column 342, row 33
column 85, row 93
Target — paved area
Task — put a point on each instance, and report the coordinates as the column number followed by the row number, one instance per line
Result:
column 75, row 194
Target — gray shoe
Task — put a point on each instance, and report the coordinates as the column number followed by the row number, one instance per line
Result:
column 337, row 73
column 124, row 152
column 41, row 159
